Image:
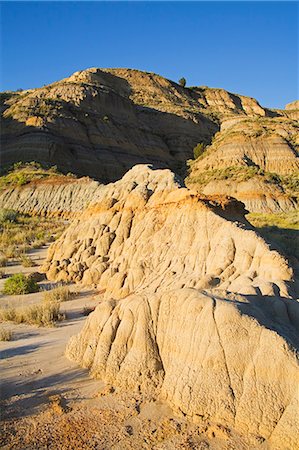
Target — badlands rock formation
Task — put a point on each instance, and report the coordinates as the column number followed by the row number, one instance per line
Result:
column 198, row 308
column 101, row 122
column 62, row 197
column 213, row 357
column 253, row 160
column 146, row 232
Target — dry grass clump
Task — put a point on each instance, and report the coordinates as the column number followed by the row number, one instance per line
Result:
column 10, row 251
column 27, row 232
column 3, row 261
column 2, row 274
column 42, row 314
column 58, row 294
column 5, row 335
column 26, row 261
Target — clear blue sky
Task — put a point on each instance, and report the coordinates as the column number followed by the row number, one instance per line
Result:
column 249, row 48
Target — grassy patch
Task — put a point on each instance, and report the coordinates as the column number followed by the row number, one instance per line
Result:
column 28, row 232
column 26, row 261
column 233, row 173
column 281, row 229
column 23, row 173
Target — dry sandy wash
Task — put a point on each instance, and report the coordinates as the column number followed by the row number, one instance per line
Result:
column 200, row 311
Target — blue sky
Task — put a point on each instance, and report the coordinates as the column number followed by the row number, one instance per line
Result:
column 249, row 48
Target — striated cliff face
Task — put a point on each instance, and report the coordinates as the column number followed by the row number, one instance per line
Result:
column 51, row 198
column 253, row 160
column 101, row 122
column 197, row 309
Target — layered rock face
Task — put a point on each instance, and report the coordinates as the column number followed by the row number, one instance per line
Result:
column 52, row 198
column 90, row 124
column 174, row 325
column 100, row 123
column 252, row 160
column 147, row 232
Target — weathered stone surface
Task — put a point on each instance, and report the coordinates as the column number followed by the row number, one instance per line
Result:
column 66, row 198
column 149, row 233
column 267, row 148
column 197, row 309
column 216, row 357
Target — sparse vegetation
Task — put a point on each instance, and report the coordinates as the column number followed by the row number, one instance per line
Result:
column 281, row 229
column 2, row 274
column 8, row 215
column 58, row 294
column 42, row 314
column 26, row 261
column 3, row 261
column 23, row 173
column 233, row 173
column 182, row 81
column 19, row 284
column 28, row 232
column 5, row 335
column 199, row 150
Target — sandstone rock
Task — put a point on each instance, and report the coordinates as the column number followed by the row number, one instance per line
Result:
column 160, row 235
column 66, row 198
column 244, row 160
column 292, row 105
column 198, row 308
column 221, row 358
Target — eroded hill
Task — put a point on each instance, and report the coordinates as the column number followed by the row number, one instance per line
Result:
column 101, row 122
column 199, row 308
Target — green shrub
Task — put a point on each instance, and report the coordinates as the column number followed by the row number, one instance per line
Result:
column 8, row 215
column 182, row 81
column 19, row 284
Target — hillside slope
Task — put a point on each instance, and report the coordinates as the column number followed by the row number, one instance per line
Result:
column 254, row 160
column 101, row 122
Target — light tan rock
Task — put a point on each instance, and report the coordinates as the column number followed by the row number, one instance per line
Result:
column 156, row 234
column 211, row 357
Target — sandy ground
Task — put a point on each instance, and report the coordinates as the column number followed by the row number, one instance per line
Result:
column 47, row 402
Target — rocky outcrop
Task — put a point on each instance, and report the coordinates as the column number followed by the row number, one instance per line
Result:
column 256, row 194
column 212, row 357
column 147, row 232
column 197, row 308
column 88, row 124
